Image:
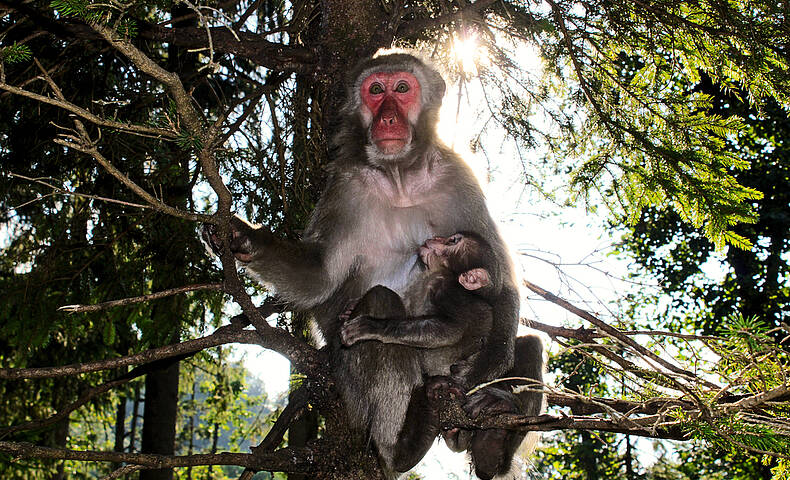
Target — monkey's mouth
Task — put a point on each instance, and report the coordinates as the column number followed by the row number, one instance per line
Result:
column 389, row 146
column 426, row 255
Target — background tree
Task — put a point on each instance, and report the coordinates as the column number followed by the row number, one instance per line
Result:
column 751, row 284
column 123, row 124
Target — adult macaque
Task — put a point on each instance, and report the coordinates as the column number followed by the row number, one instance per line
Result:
column 391, row 185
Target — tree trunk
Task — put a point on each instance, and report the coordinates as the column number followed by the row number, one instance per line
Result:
column 159, row 418
column 120, row 428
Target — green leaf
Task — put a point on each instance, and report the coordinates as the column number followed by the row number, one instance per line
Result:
column 15, row 53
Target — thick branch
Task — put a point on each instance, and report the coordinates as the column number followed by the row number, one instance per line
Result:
column 295, row 460
column 642, row 427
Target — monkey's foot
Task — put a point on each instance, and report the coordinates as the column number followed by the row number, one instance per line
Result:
column 440, row 387
column 489, row 452
column 489, row 401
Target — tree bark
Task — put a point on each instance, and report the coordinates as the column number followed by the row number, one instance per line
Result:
column 159, row 418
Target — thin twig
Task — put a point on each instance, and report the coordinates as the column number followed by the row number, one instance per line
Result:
column 618, row 335
column 90, row 149
column 143, row 298
column 59, row 191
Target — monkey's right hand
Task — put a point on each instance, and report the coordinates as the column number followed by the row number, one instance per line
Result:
column 348, row 312
column 241, row 242
column 360, row 328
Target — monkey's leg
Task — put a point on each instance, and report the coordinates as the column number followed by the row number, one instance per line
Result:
column 420, row 428
column 421, row 425
column 379, row 302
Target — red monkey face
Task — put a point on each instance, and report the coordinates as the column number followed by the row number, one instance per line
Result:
column 390, row 106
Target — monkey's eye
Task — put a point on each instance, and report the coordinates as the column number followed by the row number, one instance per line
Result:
column 454, row 239
column 402, row 87
column 376, row 89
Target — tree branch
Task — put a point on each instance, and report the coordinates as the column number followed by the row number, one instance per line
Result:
column 223, row 335
column 618, row 335
column 84, row 145
column 251, row 46
column 95, row 119
column 294, row 460
column 143, row 298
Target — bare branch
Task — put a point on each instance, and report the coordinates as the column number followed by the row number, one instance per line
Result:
column 84, row 398
column 89, row 148
column 123, row 471
column 192, row 118
column 618, row 335
column 60, row 191
column 587, row 334
column 95, row 119
column 223, row 335
column 296, row 404
column 143, row 298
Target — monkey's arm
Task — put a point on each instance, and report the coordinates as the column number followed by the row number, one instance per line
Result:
column 496, row 356
column 294, row 269
column 426, row 331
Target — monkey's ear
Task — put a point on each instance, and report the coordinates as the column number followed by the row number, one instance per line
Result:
column 474, row 278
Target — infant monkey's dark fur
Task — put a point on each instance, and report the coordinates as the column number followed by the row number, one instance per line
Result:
column 457, row 290
column 454, row 298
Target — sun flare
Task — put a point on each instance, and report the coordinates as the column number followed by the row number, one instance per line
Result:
column 468, row 53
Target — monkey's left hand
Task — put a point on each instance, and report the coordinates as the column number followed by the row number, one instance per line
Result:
column 360, row 328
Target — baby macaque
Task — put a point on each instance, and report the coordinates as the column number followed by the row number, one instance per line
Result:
column 447, row 314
